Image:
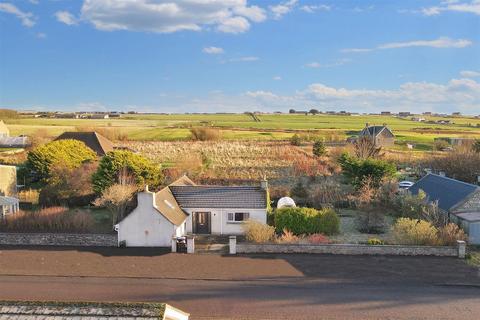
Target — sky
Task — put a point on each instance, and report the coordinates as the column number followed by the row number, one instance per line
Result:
column 239, row 55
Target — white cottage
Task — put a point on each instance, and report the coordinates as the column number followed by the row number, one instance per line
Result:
column 184, row 208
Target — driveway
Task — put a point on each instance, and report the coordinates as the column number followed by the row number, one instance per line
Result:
column 248, row 287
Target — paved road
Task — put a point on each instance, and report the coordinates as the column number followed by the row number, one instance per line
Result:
column 261, row 299
column 248, row 287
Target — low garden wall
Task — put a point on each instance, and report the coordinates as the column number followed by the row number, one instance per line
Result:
column 59, row 239
column 354, row 249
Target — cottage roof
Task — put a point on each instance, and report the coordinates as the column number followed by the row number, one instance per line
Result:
column 93, row 140
column 168, row 206
column 220, row 196
column 447, row 191
column 374, row 130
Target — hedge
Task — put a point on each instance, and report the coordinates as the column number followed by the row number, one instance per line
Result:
column 307, row 221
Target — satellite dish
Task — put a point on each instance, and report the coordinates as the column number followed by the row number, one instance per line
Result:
column 285, row 202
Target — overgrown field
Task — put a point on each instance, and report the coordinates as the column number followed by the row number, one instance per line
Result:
column 159, row 127
column 232, row 160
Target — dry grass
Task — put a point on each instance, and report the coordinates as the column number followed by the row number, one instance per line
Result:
column 53, row 219
column 239, row 160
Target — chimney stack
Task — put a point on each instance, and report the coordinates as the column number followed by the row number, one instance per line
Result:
column 264, row 184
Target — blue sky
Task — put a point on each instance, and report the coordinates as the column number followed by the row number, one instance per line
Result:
column 238, row 55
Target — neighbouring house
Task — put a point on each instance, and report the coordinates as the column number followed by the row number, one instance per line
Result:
column 455, row 141
column 4, row 131
column 11, row 142
column 93, row 140
column 8, row 181
column 382, row 136
column 459, row 200
column 184, row 208
column 9, row 204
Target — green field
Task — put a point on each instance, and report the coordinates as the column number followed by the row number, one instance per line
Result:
column 162, row 127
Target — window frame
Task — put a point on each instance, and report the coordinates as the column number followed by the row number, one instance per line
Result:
column 234, row 215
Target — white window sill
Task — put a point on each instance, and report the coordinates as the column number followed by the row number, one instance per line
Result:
column 235, row 222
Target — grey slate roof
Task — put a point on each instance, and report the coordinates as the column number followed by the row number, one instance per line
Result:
column 374, row 130
column 447, row 191
column 220, row 197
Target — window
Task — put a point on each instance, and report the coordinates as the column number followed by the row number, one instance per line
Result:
column 238, row 216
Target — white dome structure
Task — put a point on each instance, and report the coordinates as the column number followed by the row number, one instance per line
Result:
column 285, row 202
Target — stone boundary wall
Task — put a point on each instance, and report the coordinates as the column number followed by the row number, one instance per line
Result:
column 351, row 249
column 59, row 239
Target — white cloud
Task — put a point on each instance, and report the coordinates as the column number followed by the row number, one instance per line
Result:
column 336, row 63
column 282, row 8
column 213, row 50
column 277, row 78
column 443, row 42
column 66, row 17
column 464, row 94
column 167, row 16
column 27, row 18
column 313, row 8
column 469, row 74
column 41, row 35
column 472, row 6
column 245, row 59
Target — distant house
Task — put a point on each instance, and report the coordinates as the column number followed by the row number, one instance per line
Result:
column 459, row 200
column 99, row 116
column 93, row 140
column 386, row 113
column 184, row 208
column 9, row 204
column 4, row 131
column 67, row 115
column 418, row 119
column 427, row 113
column 382, row 136
column 404, row 114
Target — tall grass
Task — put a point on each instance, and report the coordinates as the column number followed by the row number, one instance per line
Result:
column 53, row 219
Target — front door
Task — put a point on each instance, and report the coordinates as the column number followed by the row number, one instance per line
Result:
column 201, row 223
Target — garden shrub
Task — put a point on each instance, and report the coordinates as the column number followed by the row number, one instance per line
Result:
column 375, row 242
column 415, row 232
column 115, row 162
column 258, row 232
column 318, row 238
column 287, row 237
column 357, row 170
column 319, row 148
column 295, row 140
column 450, row 233
column 69, row 153
column 307, row 221
column 370, row 221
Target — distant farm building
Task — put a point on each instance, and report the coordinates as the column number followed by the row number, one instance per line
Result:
column 93, row 140
column 386, row 113
column 381, row 136
column 455, row 141
column 404, row 114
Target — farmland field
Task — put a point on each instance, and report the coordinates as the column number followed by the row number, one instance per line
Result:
column 172, row 127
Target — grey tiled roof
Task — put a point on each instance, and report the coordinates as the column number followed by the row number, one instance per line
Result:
column 220, row 197
column 447, row 191
column 373, row 130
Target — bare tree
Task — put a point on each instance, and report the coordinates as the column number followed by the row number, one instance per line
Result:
column 116, row 199
column 365, row 148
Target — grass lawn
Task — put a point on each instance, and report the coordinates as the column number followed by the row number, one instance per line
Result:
column 350, row 234
column 163, row 127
